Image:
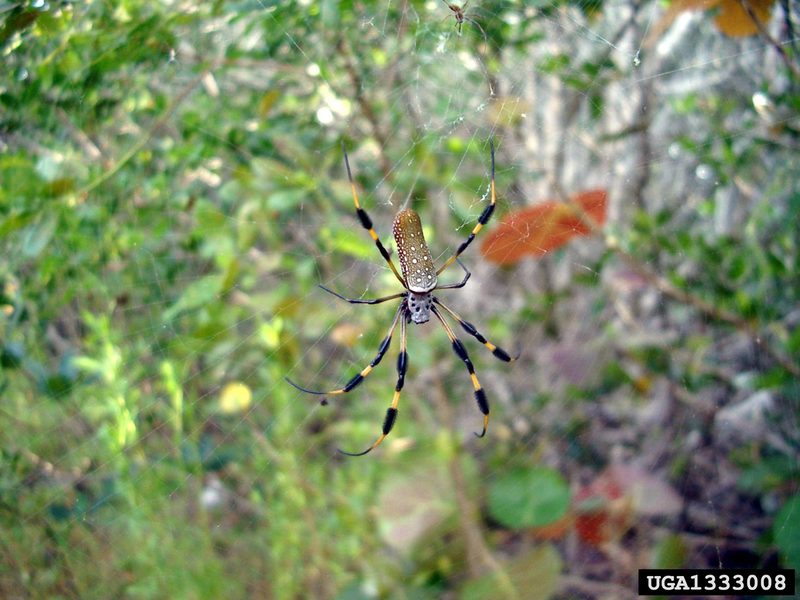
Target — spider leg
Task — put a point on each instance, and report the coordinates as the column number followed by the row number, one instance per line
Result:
column 482, row 220
column 461, row 352
column 391, row 412
column 470, row 329
column 366, row 222
column 359, row 377
column 362, row 301
column 474, row 22
column 455, row 286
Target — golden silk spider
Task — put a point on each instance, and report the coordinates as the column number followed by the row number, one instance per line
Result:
column 419, row 277
column 460, row 15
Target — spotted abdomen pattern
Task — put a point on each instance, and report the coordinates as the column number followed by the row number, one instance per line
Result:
column 415, row 259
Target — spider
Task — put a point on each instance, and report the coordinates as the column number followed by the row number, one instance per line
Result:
column 459, row 12
column 420, row 279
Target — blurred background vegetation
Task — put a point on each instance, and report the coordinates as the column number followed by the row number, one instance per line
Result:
column 172, row 191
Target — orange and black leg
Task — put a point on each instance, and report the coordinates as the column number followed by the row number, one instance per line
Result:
column 359, row 377
column 470, row 329
column 391, row 413
column 461, row 352
column 482, row 220
column 366, row 222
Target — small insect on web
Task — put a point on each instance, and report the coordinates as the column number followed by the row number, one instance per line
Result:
column 460, row 15
column 419, row 278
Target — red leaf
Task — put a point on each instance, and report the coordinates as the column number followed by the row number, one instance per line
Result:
column 602, row 511
column 539, row 229
column 606, row 508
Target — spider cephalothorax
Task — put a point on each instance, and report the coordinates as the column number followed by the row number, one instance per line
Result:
column 419, row 306
column 419, row 278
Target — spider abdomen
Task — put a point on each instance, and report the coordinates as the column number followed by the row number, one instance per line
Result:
column 416, row 262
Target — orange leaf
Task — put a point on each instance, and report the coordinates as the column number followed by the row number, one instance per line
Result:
column 537, row 230
column 675, row 8
column 733, row 19
column 554, row 531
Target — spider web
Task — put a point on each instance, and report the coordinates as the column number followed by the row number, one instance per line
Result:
column 574, row 99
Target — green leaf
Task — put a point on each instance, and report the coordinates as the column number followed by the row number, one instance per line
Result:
column 210, row 220
column 198, row 293
column 767, row 474
column 11, row 355
column 37, row 236
column 786, row 529
column 528, row 497
column 18, row 21
column 352, row 242
column 533, row 576
column 669, row 553
column 58, row 385
column 286, row 200
column 16, row 221
column 59, row 511
column 554, row 64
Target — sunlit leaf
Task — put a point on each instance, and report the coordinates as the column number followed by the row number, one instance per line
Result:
column 270, row 332
column 539, row 229
column 235, row 397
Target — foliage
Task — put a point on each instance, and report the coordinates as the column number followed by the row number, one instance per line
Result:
column 172, row 191
column 787, row 532
column 528, row 497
